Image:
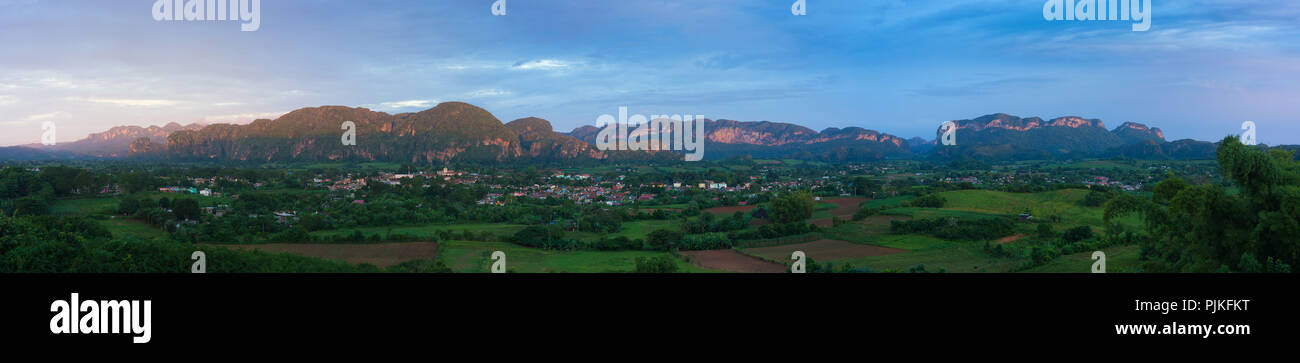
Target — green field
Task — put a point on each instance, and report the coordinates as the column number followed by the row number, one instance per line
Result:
column 124, row 227
column 1063, row 205
column 85, row 206
column 428, row 230
column 1118, row 259
column 952, row 256
column 468, row 256
column 631, row 230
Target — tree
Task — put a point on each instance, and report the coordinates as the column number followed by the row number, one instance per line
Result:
column 1168, row 188
column 793, row 207
column 1075, row 234
column 1045, row 230
column 1203, row 227
column 658, row 264
column 662, row 239
column 31, row 205
column 128, row 206
column 864, row 186
column 186, row 209
column 930, row 201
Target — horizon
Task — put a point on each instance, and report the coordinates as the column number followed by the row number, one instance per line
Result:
column 1200, row 71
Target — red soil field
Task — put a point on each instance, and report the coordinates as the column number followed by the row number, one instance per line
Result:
column 378, row 254
column 823, row 250
column 847, row 206
column 732, row 261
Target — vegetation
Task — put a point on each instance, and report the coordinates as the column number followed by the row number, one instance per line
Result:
column 1206, row 228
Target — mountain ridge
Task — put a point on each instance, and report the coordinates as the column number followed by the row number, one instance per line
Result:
column 457, row 131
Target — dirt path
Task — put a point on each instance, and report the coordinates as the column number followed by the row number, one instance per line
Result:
column 378, row 254
column 732, row 261
column 1009, row 239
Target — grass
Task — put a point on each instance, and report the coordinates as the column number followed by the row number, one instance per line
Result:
column 890, row 202
column 84, row 206
column 125, row 227
column 952, row 256
column 1118, row 259
column 1062, row 204
column 428, row 230
column 467, row 256
column 631, row 230
column 927, row 213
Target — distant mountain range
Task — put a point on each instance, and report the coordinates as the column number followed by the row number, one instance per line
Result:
column 1003, row 136
column 456, row 131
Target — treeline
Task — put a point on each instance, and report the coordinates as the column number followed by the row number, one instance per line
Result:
column 1252, row 226
column 957, row 228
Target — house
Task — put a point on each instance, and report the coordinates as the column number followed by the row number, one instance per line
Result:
column 286, row 216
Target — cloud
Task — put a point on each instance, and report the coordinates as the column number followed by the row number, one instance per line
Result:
column 44, row 116
column 488, row 93
column 541, row 64
column 241, row 118
column 35, row 118
column 6, row 100
column 984, row 87
column 401, row 105
column 134, row 102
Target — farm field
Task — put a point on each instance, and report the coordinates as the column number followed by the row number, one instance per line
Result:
column 731, row 261
column 631, row 230
column 85, row 206
column 1118, row 259
column 823, row 250
column 120, row 227
column 727, row 211
column 428, row 230
column 950, row 256
column 469, row 256
column 379, row 254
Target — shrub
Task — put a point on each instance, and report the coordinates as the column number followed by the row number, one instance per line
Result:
column 659, row 264
column 929, row 201
column 1077, row 234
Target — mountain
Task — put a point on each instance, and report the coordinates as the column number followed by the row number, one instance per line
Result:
column 460, row 132
column 1132, row 132
column 1003, row 136
column 449, row 131
column 538, row 140
column 116, row 142
column 1060, row 135
column 919, row 146
column 766, row 139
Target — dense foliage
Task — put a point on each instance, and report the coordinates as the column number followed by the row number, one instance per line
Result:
column 1206, row 227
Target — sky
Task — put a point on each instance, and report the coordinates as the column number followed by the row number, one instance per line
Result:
column 900, row 67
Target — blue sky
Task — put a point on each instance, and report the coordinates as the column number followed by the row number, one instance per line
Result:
column 901, row 67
